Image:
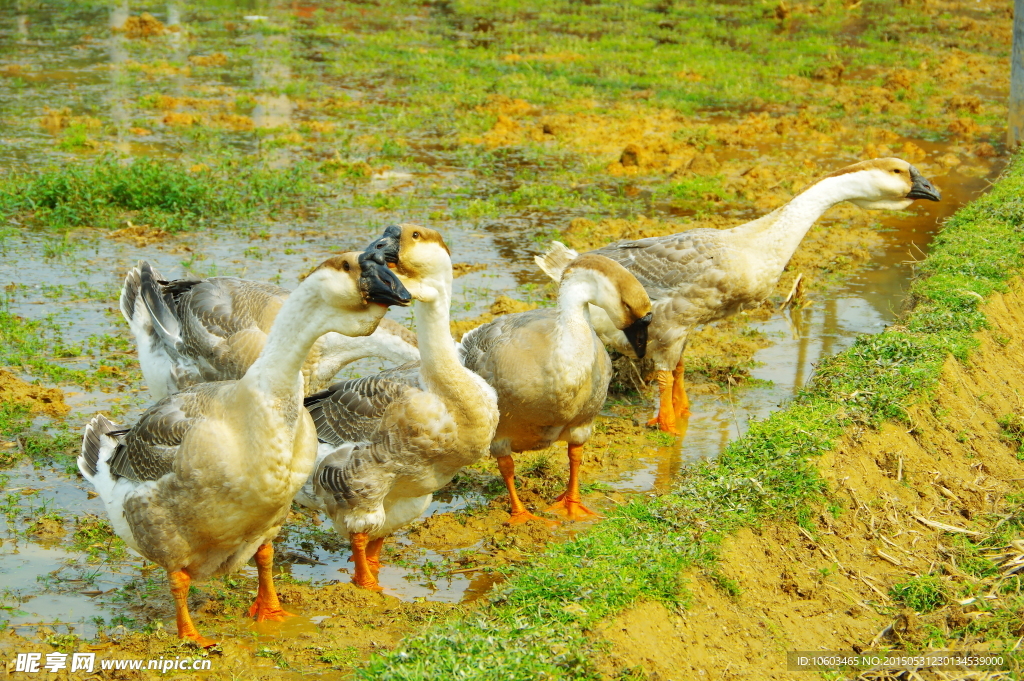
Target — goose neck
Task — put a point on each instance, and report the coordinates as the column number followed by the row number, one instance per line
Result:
column 303, row 318
column 440, row 360
column 792, row 222
column 575, row 296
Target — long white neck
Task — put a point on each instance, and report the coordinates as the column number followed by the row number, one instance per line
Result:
column 440, row 369
column 575, row 295
column 779, row 233
column 303, row 318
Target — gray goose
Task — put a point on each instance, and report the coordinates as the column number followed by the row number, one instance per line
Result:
column 388, row 442
column 703, row 275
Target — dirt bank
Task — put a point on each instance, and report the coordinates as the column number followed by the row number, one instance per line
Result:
column 784, row 588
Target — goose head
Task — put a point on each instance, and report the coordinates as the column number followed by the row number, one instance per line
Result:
column 617, row 292
column 420, row 257
column 886, row 184
column 357, row 283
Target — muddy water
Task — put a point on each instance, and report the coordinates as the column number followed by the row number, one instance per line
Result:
column 73, row 283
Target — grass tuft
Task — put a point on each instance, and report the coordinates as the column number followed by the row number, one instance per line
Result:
column 158, row 193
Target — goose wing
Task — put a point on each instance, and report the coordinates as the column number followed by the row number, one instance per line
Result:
column 224, row 323
column 351, row 411
column 477, row 351
column 665, row 264
column 147, row 450
column 357, row 465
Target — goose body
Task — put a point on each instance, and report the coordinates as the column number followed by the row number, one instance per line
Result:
column 388, row 442
column 703, row 275
column 551, row 371
column 193, row 331
column 207, row 475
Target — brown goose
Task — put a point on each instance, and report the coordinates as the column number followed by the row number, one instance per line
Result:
column 703, row 275
column 551, row 371
column 206, row 477
column 192, row 331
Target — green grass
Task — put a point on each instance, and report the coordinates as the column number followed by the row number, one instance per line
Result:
column 162, row 194
column 95, row 537
column 34, row 344
column 921, row 594
column 534, row 626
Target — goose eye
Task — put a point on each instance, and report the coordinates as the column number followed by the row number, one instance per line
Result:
column 345, row 266
column 415, row 235
column 897, row 171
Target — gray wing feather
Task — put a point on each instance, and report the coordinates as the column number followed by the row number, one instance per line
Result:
column 147, row 450
column 354, row 473
column 663, row 264
column 478, row 344
column 351, row 411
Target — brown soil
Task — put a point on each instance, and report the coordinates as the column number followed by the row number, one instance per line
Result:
column 215, row 59
column 140, row 235
column 460, row 269
column 352, row 624
column 38, row 399
column 144, row 26
column 830, row 590
column 55, row 120
column 47, row 530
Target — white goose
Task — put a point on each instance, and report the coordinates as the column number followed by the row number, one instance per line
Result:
column 389, row 441
column 551, row 372
column 207, row 475
column 702, row 275
column 192, row 331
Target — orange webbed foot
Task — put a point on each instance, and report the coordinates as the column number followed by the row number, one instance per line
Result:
column 199, row 640
column 518, row 518
column 573, row 510
column 263, row 612
column 665, row 424
column 369, row 583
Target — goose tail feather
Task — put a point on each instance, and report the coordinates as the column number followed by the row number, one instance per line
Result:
column 92, row 443
column 554, row 262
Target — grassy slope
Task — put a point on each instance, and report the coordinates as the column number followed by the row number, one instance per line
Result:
column 534, row 626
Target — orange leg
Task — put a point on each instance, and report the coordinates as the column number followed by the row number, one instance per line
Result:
column 364, row 577
column 373, row 554
column 679, row 399
column 507, row 467
column 267, row 607
column 180, row 582
column 568, row 504
column 666, row 419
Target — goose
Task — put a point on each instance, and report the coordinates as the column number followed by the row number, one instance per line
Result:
column 551, row 371
column 389, row 441
column 192, row 331
column 703, row 275
column 206, row 477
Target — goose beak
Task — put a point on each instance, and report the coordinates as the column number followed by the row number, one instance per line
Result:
column 921, row 188
column 379, row 284
column 636, row 334
column 386, row 247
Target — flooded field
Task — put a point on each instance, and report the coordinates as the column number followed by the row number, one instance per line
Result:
column 470, row 121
